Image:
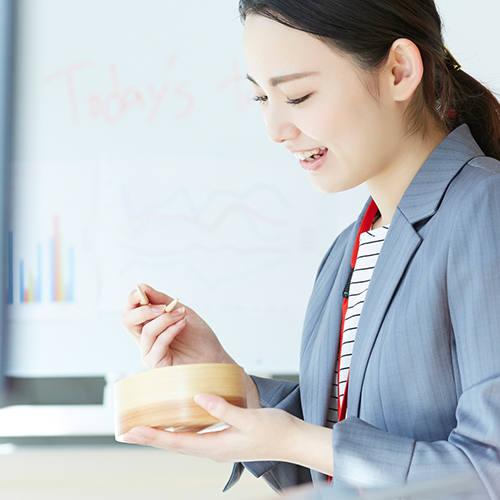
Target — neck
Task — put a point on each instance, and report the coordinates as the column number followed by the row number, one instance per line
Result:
column 388, row 187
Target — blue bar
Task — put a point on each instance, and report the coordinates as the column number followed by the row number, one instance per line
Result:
column 21, row 281
column 11, row 268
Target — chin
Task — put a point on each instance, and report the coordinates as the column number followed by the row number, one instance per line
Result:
column 326, row 185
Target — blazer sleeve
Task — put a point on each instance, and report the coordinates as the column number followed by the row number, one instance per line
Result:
column 282, row 395
column 369, row 457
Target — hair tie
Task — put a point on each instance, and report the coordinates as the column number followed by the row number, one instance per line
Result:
column 456, row 65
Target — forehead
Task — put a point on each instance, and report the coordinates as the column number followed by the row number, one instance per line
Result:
column 272, row 49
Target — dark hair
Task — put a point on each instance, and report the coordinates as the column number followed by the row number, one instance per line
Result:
column 366, row 30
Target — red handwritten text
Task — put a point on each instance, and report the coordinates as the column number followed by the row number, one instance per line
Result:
column 113, row 105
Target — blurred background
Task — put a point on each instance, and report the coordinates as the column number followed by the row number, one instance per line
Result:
column 132, row 151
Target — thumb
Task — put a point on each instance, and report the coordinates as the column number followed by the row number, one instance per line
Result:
column 220, row 408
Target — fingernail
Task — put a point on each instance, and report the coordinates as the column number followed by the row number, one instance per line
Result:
column 157, row 309
column 178, row 312
column 135, row 433
column 198, row 399
column 127, row 438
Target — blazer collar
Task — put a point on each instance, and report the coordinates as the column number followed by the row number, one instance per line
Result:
column 420, row 201
column 423, row 196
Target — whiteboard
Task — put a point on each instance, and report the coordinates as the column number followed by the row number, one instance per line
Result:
column 141, row 157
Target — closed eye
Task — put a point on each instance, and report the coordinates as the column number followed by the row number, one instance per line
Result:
column 298, row 100
column 260, row 98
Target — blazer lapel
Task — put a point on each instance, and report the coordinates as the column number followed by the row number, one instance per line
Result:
column 401, row 243
column 419, row 203
column 320, row 340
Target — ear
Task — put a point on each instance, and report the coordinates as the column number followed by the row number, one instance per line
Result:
column 405, row 69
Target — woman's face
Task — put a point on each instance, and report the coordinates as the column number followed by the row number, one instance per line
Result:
column 314, row 102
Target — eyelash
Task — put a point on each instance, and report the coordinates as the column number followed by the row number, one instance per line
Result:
column 294, row 102
column 299, row 100
column 261, row 99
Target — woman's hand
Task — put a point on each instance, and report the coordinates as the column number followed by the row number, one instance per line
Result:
column 166, row 339
column 176, row 338
column 254, row 435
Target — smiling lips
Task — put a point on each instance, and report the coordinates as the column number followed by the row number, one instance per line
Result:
column 311, row 160
column 312, row 155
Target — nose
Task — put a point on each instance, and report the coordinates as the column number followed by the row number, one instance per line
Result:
column 279, row 128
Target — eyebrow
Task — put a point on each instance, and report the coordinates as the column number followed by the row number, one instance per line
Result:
column 277, row 80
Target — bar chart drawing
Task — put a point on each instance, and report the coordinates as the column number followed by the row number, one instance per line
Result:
column 56, row 284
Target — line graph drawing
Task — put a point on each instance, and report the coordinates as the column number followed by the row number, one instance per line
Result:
column 210, row 227
column 251, row 216
column 184, row 194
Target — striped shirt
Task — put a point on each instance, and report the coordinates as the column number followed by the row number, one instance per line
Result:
column 370, row 244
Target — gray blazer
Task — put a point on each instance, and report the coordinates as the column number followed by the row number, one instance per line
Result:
column 424, row 389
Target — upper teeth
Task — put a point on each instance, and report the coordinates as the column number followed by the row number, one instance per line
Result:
column 307, row 154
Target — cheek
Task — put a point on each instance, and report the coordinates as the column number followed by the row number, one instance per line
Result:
column 345, row 112
column 351, row 129
column 350, row 125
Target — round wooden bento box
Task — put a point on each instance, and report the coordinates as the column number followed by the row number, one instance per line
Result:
column 163, row 397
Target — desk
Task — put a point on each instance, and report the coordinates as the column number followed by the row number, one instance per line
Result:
column 109, row 472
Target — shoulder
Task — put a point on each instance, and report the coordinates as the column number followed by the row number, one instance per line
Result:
column 485, row 164
column 476, row 170
column 471, row 210
column 476, row 186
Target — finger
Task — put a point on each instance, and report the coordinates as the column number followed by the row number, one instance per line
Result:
column 149, row 437
column 143, row 314
column 221, row 409
column 157, row 336
column 134, row 320
column 181, row 442
column 160, row 353
column 161, row 347
column 156, row 297
column 133, row 300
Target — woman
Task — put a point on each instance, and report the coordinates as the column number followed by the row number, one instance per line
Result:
column 366, row 92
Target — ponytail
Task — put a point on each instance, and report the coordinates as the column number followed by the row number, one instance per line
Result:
column 472, row 103
column 456, row 98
